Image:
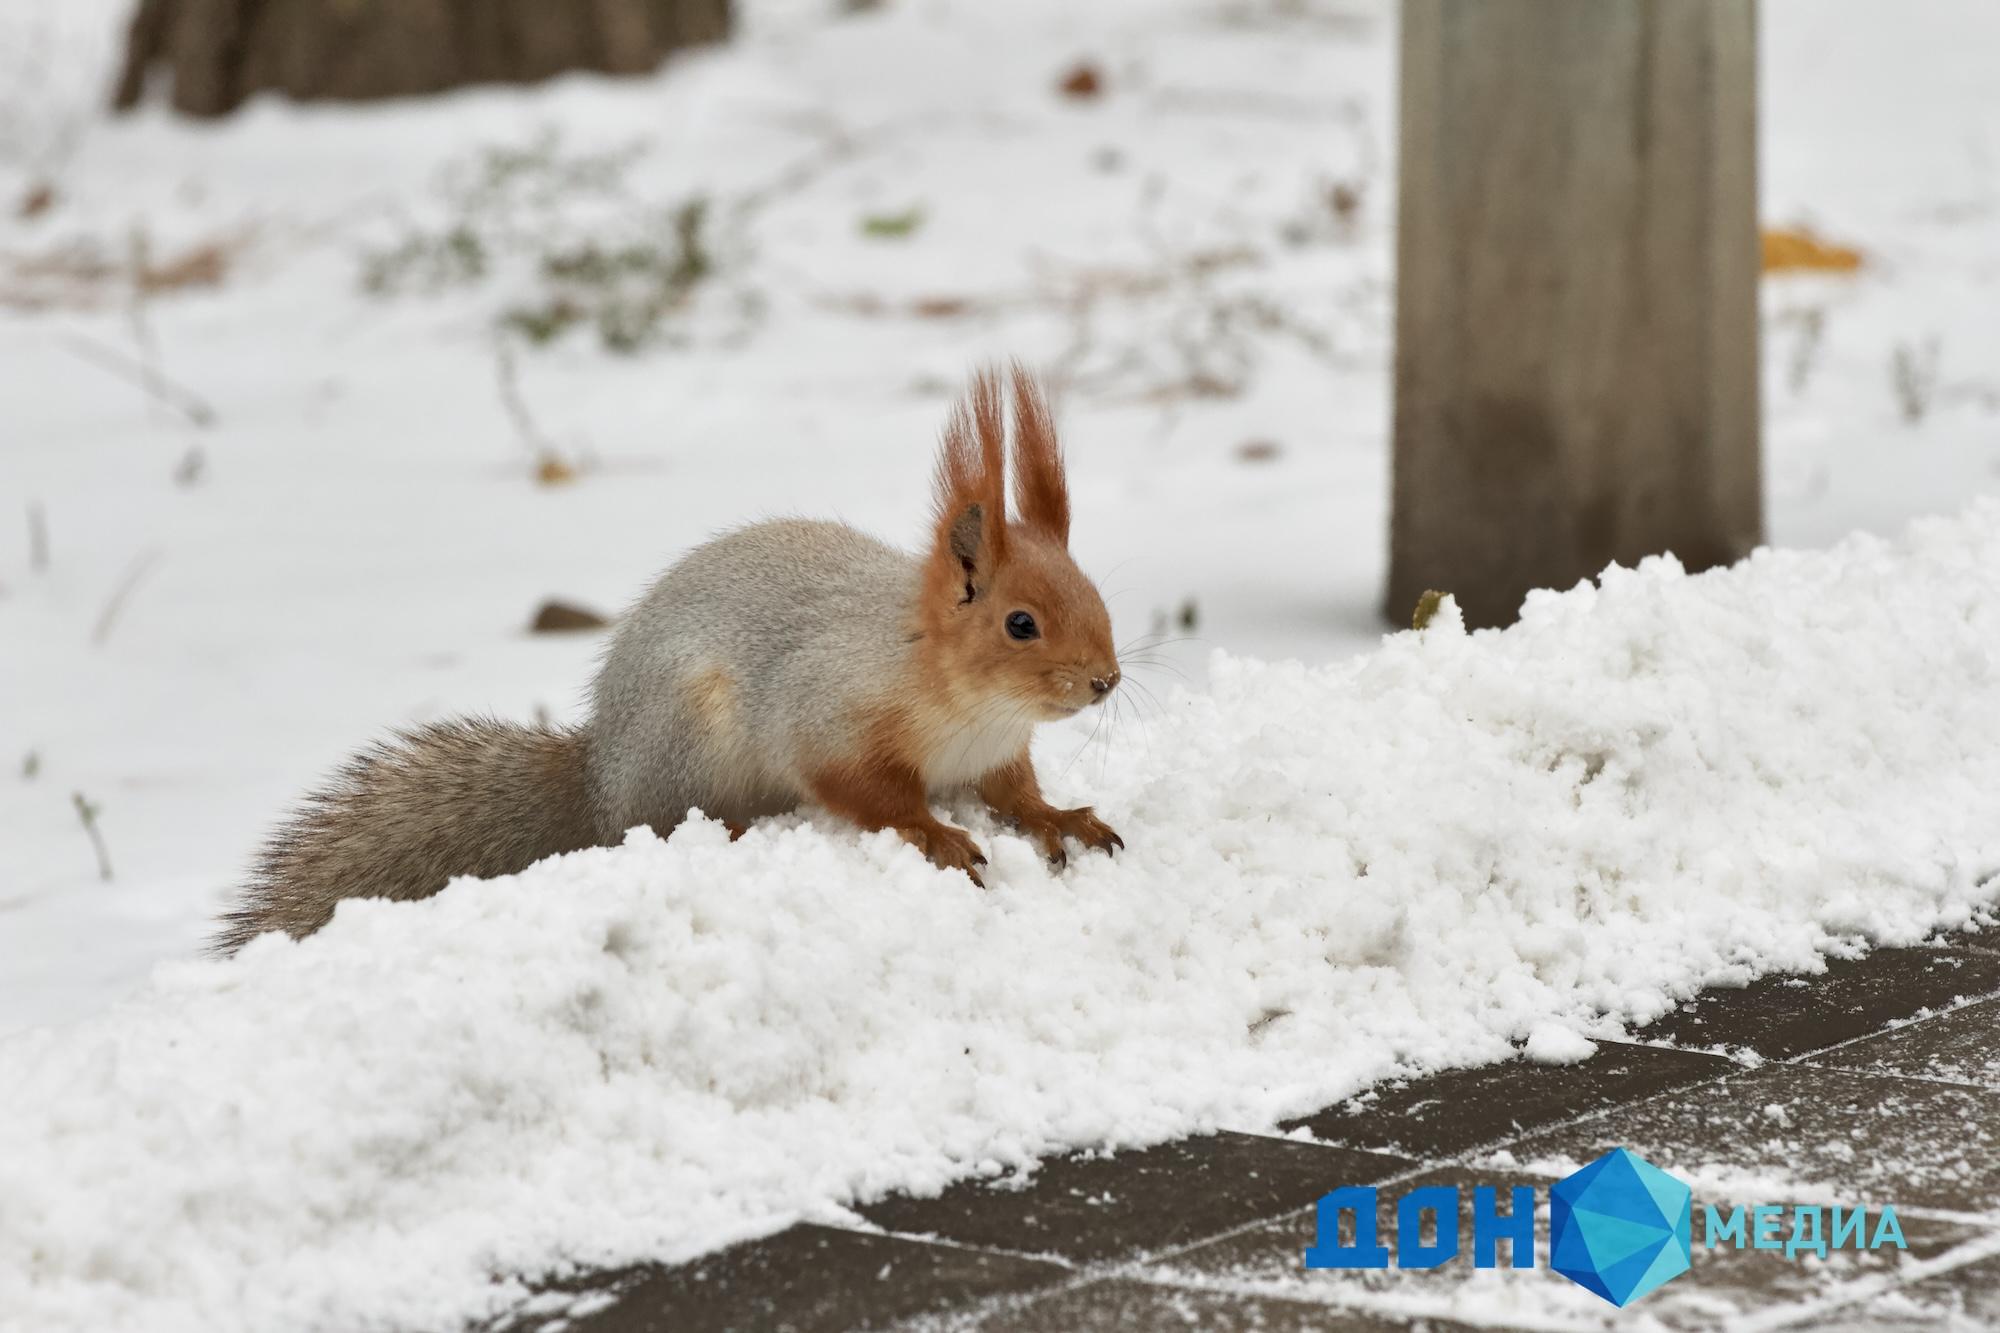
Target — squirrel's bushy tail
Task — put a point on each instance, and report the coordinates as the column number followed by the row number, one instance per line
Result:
column 466, row 797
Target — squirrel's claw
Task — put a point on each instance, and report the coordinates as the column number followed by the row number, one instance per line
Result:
column 948, row 848
column 1048, row 834
column 1082, row 824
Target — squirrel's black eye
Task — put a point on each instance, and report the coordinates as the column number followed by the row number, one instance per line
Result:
column 1021, row 625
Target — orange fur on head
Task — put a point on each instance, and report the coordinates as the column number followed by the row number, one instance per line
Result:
column 985, row 571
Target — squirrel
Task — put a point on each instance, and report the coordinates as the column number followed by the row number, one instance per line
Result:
column 787, row 662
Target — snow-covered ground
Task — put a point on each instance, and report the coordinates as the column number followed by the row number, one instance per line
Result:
column 353, row 537
column 1333, row 874
column 357, row 541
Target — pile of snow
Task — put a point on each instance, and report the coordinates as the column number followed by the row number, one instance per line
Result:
column 1455, row 844
column 356, row 541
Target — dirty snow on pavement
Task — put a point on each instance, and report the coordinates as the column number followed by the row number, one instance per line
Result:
column 1415, row 859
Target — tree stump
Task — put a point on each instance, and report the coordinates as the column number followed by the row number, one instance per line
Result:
column 1576, row 309
column 218, row 53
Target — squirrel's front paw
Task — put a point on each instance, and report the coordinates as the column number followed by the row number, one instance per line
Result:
column 1081, row 823
column 948, row 849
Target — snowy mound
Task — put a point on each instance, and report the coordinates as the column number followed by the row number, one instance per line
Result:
column 1457, row 843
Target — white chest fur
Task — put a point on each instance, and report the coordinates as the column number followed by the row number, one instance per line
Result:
column 976, row 744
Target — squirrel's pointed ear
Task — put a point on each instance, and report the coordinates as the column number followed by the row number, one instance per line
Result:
column 967, row 542
column 971, row 538
column 1041, row 492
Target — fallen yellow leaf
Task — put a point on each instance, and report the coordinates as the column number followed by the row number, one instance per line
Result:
column 1792, row 249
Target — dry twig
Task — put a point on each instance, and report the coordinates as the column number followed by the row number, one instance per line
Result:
column 149, row 378
column 138, row 570
column 38, row 537
column 88, row 812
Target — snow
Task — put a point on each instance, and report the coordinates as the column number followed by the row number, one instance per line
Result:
column 1335, row 874
column 1554, row 1044
column 364, row 543
column 1350, row 858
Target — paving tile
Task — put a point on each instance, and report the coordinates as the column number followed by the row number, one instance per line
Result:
column 1727, row 1283
column 1780, row 1016
column 1722, row 1284
column 1967, row 1297
column 1270, row 1260
column 806, row 1280
column 1094, row 1208
column 1986, row 939
column 1446, row 1114
column 1120, row 1305
column 1909, row 1115
column 1962, row 1046
column 1833, row 1133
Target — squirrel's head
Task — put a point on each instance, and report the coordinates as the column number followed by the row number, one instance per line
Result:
column 1006, row 613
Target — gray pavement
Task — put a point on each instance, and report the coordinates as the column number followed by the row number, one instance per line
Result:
column 1875, row 1083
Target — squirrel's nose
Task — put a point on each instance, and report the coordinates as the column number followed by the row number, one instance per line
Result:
column 1101, row 685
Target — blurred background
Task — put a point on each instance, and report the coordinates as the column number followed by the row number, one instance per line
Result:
column 311, row 406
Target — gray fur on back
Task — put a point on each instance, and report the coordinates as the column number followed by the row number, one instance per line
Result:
column 744, row 667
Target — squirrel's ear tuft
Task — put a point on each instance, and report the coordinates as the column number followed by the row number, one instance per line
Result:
column 1041, row 492
column 971, row 538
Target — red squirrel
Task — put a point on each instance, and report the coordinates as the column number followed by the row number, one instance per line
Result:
column 783, row 663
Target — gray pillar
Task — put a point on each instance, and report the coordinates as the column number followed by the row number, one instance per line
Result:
column 1576, row 310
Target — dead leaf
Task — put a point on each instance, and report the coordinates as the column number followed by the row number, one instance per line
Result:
column 37, row 201
column 556, row 617
column 553, row 470
column 1259, row 451
column 1794, row 249
column 1428, row 606
column 1082, row 83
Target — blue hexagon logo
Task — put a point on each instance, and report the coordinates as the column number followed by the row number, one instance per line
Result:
column 1620, row 1226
